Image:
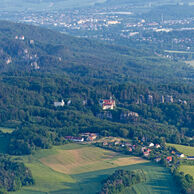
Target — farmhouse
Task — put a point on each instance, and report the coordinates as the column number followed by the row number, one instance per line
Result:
column 157, row 146
column 107, row 104
column 157, row 159
column 169, row 158
column 75, row 139
column 130, row 149
column 151, row 145
column 89, row 136
column 62, row 103
column 181, row 155
column 146, row 154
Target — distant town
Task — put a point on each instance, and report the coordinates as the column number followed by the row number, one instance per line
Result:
column 114, row 24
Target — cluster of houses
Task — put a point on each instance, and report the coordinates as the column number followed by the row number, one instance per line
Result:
column 146, row 150
column 83, row 137
column 22, row 37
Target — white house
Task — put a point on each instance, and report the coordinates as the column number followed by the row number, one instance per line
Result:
column 62, row 103
column 151, row 145
column 181, row 155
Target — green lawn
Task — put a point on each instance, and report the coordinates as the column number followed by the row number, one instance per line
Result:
column 90, row 166
column 187, row 150
column 187, row 169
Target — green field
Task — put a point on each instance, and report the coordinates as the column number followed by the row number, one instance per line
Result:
column 79, row 169
column 187, row 169
column 6, row 130
column 187, row 150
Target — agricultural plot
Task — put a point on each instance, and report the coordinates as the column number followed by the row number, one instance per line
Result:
column 76, row 168
column 187, row 150
column 87, row 159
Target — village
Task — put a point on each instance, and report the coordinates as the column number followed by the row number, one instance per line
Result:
column 159, row 153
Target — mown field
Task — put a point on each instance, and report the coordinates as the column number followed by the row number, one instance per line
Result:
column 79, row 169
column 187, row 150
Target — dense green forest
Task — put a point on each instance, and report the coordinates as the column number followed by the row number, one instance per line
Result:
column 121, row 179
column 13, row 175
column 39, row 67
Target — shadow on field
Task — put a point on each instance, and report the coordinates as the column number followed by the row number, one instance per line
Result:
column 159, row 180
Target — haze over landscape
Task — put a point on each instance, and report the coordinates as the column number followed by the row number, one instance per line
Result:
column 96, row 96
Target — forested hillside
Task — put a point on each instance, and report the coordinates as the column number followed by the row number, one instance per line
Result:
column 39, row 67
column 13, row 175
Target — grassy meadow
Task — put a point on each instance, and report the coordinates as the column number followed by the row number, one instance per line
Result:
column 76, row 168
column 187, row 169
column 187, row 150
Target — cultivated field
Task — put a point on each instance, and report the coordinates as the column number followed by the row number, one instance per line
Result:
column 87, row 159
column 79, row 169
column 187, row 150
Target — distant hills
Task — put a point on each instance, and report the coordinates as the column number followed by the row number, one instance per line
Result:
column 56, row 52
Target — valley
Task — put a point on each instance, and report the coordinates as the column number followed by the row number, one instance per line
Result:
column 96, row 96
column 62, row 173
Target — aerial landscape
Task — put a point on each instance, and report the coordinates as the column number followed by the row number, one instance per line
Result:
column 96, row 96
